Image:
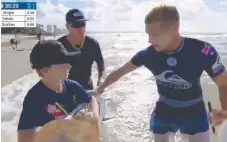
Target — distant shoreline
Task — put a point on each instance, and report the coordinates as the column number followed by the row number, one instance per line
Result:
column 5, row 39
column 117, row 32
column 187, row 33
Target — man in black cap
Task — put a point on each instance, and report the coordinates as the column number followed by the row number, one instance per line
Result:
column 54, row 96
column 89, row 47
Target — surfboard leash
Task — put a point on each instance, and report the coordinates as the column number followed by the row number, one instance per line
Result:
column 210, row 110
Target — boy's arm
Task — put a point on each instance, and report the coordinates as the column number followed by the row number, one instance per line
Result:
column 93, row 106
column 86, row 97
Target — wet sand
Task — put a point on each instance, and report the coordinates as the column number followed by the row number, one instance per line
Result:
column 15, row 63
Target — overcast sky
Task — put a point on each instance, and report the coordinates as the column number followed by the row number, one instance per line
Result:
column 128, row 15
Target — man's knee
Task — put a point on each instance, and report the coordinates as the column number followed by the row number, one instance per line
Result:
column 160, row 137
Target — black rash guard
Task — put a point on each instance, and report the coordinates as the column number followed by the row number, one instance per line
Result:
column 178, row 73
column 81, row 67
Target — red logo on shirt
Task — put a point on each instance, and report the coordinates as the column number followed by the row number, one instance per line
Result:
column 54, row 111
column 206, row 49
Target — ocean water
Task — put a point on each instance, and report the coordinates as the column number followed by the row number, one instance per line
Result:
column 132, row 97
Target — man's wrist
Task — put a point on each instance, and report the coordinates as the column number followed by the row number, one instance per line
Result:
column 99, row 89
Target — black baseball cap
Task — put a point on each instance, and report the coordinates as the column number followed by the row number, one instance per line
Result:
column 49, row 52
column 74, row 16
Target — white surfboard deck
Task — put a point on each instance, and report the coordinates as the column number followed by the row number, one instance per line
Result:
column 102, row 106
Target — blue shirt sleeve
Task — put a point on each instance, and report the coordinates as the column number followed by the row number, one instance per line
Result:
column 139, row 58
column 81, row 94
column 30, row 115
column 214, row 66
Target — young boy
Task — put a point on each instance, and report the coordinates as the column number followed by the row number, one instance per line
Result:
column 53, row 96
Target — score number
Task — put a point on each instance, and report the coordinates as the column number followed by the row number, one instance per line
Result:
column 30, row 12
column 30, row 24
column 30, row 18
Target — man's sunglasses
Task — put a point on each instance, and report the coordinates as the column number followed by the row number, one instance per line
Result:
column 78, row 24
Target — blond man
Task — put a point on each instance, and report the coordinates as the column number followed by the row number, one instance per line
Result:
column 177, row 63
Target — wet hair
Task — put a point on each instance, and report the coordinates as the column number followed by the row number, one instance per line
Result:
column 165, row 14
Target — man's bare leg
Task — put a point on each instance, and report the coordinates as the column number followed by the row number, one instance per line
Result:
column 160, row 137
column 199, row 137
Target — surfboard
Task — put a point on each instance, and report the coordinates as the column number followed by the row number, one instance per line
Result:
column 102, row 106
column 77, row 126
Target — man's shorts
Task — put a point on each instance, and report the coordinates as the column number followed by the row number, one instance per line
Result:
column 172, row 122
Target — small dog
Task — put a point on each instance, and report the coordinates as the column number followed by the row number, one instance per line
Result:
column 13, row 42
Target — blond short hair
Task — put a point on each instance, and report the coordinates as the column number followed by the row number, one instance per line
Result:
column 165, row 14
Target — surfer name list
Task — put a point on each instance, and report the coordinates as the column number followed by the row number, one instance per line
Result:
column 18, row 18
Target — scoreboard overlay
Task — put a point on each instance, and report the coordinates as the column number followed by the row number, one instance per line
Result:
column 18, row 14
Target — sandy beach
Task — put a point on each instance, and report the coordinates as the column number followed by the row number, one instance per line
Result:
column 5, row 38
column 15, row 63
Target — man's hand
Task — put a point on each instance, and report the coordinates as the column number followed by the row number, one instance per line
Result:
column 217, row 117
column 98, row 90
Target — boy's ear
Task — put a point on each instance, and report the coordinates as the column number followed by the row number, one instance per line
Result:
column 44, row 70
